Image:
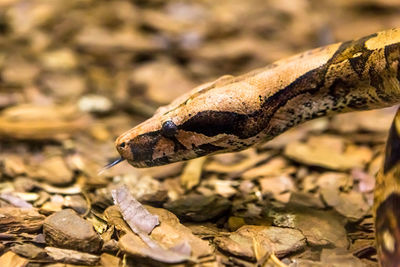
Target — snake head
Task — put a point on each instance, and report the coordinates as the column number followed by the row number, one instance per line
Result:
column 210, row 119
column 145, row 145
column 159, row 141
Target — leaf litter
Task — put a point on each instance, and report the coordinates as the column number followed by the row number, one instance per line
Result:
column 75, row 75
column 142, row 223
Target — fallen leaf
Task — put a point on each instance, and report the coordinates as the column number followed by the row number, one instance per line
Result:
column 170, row 233
column 14, row 200
column 30, row 251
column 17, row 220
column 41, row 122
column 72, row 256
column 133, row 245
column 328, row 152
column 252, row 160
column 273, row 167
column 280, row 241
column 66, row 229
column 192, row 173
column 142, row 222
column 108, row 260
column 276, row 185
column 137, row 217
column 10, row 259
column 321, row 228
column 198, row 207
column 339, row 257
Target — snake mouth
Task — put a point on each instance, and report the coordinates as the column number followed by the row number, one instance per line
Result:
column 155, row 149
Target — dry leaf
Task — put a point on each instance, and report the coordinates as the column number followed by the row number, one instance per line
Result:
column 66, row 229
column 72, row 256
column 14, row 200
column 108, row 260
column 329, row 152
column 137, row 217
column 30, row 251
column 171, row 233
column 198, row 207
column 41, row 122
column 273, row 167
column 252, row 160
column 133, row 245
column 280, row 241
column 142, row 222
column 192, row 173
column 17, row 220
column 10, row 259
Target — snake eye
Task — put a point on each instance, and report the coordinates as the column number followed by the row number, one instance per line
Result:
column 168, row 129
column 122, row 145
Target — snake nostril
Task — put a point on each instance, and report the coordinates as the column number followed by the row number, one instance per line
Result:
column 122, row 145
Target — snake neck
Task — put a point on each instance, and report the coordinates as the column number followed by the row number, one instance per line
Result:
column 355, row 78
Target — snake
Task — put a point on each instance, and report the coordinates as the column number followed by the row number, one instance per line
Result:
column 233, row 113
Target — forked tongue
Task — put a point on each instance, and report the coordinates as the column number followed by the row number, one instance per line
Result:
column 109, row 165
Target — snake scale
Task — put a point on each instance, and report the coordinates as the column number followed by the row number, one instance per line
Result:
column 233, row 113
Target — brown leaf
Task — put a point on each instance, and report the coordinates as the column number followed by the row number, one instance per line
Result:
column 274, row 167
column 52, row 170
column 371, row 120
column 68, row 230
column 133, row 245
column 12, row 165
column 164, row 81
column 321, row 228
column 114, row 217
column 192, row 173
column 164, row 171
column 340, row 257
column 10, row 259
column 171, row 233
column 328, row 152
column 99, row 40
column 198, row 207
column 252, row 160
column 352, row 205
column 276, row 185
column 29, row 251
column 108, row 260
column 41, row 122
column 71, row 256
column 280, row 241
column 144, row 188
column 17, row 220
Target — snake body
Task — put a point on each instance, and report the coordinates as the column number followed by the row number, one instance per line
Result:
column 233, row 113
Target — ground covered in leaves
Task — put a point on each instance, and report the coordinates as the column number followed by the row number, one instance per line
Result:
column 75, row 74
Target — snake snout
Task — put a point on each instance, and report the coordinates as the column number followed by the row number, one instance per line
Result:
column 122, row 146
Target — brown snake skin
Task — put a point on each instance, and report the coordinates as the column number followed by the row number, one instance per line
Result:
column 233, row 113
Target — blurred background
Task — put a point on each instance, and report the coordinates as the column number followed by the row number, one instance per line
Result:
column 76, row 74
